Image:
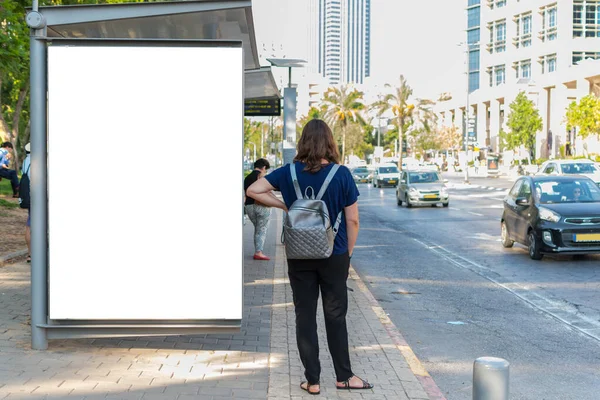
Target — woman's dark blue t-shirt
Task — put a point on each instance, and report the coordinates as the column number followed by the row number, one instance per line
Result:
column 342, row 192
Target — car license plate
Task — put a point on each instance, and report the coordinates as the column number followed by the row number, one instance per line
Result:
column 391, row 181
column 586, row 237
column 430, row 196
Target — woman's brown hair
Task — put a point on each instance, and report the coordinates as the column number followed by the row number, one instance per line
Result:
column 316, row 144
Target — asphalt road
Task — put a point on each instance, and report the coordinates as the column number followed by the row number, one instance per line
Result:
column 456, row 294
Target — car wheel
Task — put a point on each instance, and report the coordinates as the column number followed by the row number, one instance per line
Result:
column 408, row 204
column 534, row 247
column 505, row 238
column 446, row 204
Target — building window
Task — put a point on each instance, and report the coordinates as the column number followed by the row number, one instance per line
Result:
column 523, row 24
column 473, row 17
column 497, row 36
column 473, row 81
column 586, row 18
column 473, row 36
column 474, row 60
column 497, row 75
column 548, row 63
column 496, row 3
column 523, row 69
column 584, row 55
column 549, row 22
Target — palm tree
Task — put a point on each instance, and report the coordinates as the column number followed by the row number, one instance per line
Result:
column 401, row 108
column 343, row 108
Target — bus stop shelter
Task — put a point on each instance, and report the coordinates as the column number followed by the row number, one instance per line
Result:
column 226, row 25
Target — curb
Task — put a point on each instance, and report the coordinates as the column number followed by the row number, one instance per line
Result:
column 427, row 382
column 5, row 259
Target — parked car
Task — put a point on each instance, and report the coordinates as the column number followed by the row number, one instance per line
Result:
column 361, row 174
column 419, row 187
column 571, row 167
column 386, row 175
column 552, row 214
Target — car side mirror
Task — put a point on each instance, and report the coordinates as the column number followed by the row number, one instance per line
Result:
column 522, row 201
column 445, row 180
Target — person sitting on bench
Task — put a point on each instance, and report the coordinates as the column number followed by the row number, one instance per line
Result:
column 5, row 171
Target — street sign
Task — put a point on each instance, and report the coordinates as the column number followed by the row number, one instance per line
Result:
column 472, row 137
column 262, row 108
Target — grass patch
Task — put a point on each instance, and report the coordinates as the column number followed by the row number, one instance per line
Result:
column 8, row 204
column 5, row 188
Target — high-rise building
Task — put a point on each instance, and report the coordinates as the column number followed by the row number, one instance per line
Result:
column 342, row 33
column 545, row 48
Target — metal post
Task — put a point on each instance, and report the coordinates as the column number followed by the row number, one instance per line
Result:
column 379, row 134
column 39, row 198
column 467, row 120
column 490, row 379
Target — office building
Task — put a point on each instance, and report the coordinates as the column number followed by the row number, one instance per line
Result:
column 548, row 49
column 341, row 36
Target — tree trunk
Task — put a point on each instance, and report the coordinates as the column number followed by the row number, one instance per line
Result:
column 17, row 120
column 400, row 134
column 343, row 144
column 4, row 129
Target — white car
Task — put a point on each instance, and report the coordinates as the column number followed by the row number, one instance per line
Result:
column 582, row 167
column 386, row 175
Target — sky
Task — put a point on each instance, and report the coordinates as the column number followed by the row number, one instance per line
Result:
column 416, row 38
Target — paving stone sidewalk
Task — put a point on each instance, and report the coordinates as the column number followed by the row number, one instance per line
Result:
column 260, row 362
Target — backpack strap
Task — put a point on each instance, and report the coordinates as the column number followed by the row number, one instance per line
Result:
column 327, row 181
column 295, row 181
column 338, row 221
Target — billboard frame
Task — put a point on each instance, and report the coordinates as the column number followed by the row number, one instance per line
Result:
column 42, row 327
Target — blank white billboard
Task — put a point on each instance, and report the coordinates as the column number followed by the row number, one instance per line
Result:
column 144, row 182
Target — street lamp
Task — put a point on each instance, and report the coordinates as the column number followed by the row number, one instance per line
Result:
column 289, row 107
column 467, row 117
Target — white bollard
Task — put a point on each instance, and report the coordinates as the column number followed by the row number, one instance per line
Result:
column 490, row 378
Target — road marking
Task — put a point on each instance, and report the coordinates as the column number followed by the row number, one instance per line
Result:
column 454, row 208
column 560, row 310
column 474, row 213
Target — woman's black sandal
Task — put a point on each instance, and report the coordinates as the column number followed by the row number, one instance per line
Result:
column 307, row 388
column 366, row 385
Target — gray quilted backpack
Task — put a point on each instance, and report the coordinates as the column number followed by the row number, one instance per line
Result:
column 307, row 230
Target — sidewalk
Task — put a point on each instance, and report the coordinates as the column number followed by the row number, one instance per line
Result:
column 260, row 362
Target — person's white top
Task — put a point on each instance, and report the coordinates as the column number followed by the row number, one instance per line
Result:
column 26, row 164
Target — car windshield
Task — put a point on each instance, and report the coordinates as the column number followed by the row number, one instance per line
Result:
column 388, row 170
column 361, row 171
column 575, row 191
column 579, row 168
column 423, row 177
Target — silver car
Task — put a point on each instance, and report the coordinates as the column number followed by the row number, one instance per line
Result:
column 420, row 188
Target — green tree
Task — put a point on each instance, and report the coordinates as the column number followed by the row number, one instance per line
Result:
column 343, row 106
column 402, row 109
column 313, row 113
column 585, row 115
column 524, row 122
column 14, row 73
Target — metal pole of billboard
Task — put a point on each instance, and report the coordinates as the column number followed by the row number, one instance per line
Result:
column 39, row 198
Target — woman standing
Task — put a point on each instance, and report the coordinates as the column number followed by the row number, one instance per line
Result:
column 317, row 153
column 258, row 213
